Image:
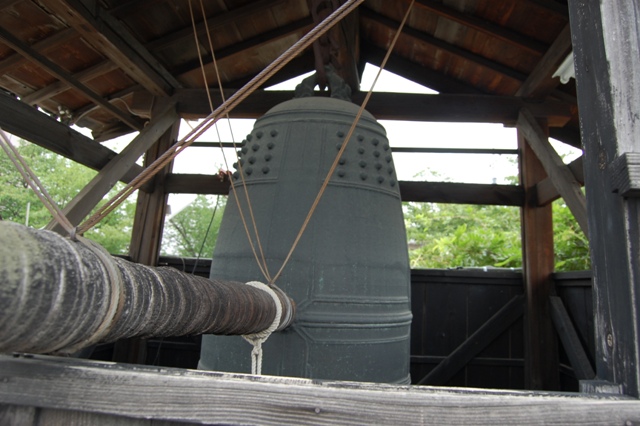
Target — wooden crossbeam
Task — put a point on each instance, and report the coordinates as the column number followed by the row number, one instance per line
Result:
column 570, row 340
column 432, row 192
column 193, row 103
column 59, row 73
column 480, row 339
column 486, row 27
column 82, row 204
column 541, row 82
column 561, row 176
column 34, row 126
column 109, row 38
column 434, row 42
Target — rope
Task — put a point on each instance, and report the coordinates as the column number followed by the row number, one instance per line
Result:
column 212, row 118
column 257, row 339
column 34, row 183
column 262, row 266
column 344, row 145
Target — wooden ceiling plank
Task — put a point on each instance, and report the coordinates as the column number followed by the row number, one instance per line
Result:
column 86, row 200
column 443, row 45
column 431, row 192
column 414, row 72
column 61, row 37
column 562, row 178
column 552, row 6
column 395, row 106
column 7, row 3
column 541, row 82
column 486, row 27
column 298, row 66
column 60, row 86
column 186, row 35
column 36, row 127
column 252, row 43
column 140, row 66
column 61, row 74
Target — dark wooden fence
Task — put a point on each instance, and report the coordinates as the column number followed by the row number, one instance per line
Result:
column 467, row 327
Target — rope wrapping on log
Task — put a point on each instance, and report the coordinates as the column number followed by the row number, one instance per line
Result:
column 58, row 296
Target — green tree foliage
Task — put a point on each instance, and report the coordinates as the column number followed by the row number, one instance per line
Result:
column 63, row 179
column 453, row 235
column 185, row 233
column 571, row 246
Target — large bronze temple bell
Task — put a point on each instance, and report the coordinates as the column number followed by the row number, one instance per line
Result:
column 349, row 275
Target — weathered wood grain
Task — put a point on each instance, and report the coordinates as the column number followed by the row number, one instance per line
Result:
column 209, row 397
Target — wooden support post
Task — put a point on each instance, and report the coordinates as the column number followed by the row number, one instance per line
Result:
column 605, row 39
column 483, row 336
column 541, row 354
column 146, row 235
column 151, row 207
column 100, row 185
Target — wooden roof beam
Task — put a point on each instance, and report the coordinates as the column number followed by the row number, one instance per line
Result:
column 63, row 75
column 541, row 82
column 113, row 40
column 193, row 103
column 483, row 26
column 36, row 127
column 562, row 178
column 443, row 45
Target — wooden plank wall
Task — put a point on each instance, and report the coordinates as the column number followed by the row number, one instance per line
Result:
column 448, row 306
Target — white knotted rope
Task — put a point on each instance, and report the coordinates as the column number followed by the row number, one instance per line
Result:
column 257, row 339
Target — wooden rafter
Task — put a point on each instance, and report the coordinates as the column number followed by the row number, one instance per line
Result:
column 414, row 72
column 61, row 86
column 434, row 42
column 185, row 35
column 101, row 184
column 16, row 60
column 495, row 31
column 561, row 176
column 300, row 26
column 63, row 75
column 34, row 126
column 541, row 82
column 112, row 40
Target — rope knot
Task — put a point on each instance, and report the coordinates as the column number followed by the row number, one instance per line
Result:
column 257, row 339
